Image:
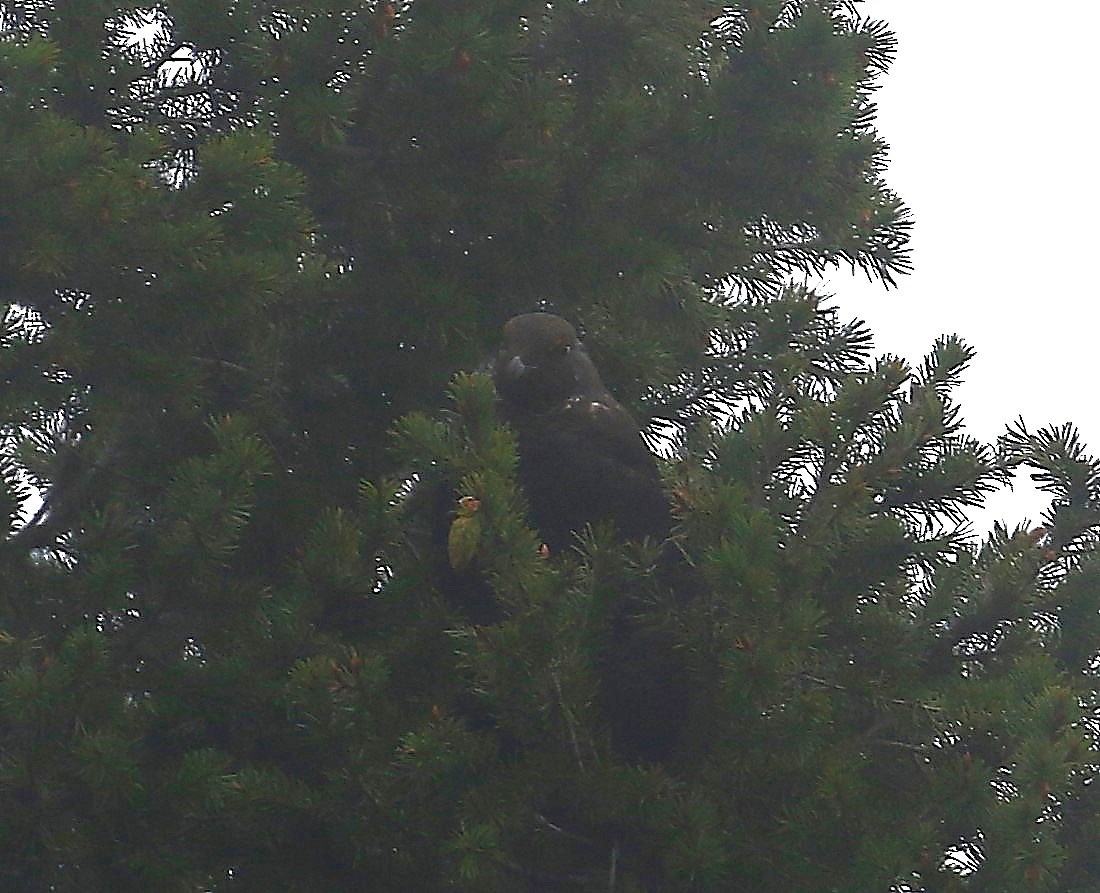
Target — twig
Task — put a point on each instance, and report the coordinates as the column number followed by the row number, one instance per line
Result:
column 558, row 829
column 568, row 722
column 918, row 748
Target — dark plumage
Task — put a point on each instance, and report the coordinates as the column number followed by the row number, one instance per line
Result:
column 582, row 459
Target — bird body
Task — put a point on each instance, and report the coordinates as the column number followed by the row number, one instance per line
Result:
column 583, row 461
column 582, row 458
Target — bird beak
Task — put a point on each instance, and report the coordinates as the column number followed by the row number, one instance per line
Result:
column 516, row 368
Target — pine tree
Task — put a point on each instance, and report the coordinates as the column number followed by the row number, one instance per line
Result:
column 272, row 615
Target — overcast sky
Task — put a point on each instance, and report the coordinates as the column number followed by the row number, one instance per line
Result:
column 990, row 112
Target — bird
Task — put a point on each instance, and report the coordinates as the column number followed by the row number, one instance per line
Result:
column 582, row 458
column 583, row 462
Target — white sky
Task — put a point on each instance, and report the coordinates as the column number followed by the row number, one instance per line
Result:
column 990, row 112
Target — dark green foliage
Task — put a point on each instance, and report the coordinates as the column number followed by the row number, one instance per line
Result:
column 272, row 614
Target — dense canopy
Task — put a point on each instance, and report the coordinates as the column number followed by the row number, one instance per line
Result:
column 274, row 613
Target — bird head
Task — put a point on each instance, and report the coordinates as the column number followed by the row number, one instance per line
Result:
column 542, row 363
